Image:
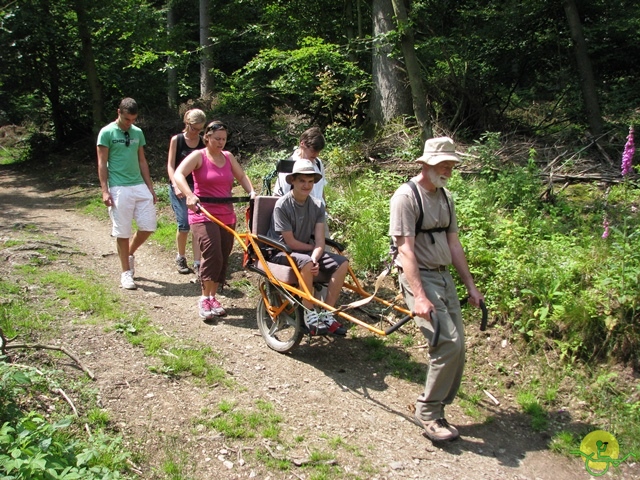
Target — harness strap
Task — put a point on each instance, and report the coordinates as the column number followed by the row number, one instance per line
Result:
column 224, row 199
column 428, row 231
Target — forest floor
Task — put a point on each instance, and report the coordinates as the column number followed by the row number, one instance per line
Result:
column 332, row 396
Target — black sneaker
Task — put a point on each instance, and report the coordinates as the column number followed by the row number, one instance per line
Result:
column 181, row 263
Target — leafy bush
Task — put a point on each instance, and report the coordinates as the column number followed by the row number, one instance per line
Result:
column 316, row 79
column 33, row 446
column 362, row 213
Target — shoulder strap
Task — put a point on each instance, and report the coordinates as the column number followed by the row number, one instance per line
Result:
column 179, row 147
column 428, row 231
column 414, row 189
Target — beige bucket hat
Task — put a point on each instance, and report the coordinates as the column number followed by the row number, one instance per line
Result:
column 303, row 167
column 440, row 149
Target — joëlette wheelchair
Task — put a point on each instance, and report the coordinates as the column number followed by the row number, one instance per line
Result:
column 280, row 313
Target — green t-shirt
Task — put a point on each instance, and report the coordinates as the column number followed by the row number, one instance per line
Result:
column 122, row 164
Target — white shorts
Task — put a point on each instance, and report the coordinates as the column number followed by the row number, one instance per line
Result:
column 132, row 203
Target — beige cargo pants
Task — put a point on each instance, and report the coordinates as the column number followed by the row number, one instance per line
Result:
column 446, row 360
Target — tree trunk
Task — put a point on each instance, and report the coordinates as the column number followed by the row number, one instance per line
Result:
column 391, row 96
column 50, row 82
column 89, row 62
column 172, row 77
column 206, row 62
column 587, row 81
column 413, row 70
column 349, row 28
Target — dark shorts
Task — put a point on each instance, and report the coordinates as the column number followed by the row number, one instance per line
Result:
column 329, row 262
column 215, row 245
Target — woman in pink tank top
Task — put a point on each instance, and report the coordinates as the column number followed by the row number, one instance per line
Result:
column 214, row 171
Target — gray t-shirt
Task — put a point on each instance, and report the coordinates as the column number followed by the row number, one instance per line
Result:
column 404, row 215
column 301, row 219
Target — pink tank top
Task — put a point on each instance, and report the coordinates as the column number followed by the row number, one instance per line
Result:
column 212, row 181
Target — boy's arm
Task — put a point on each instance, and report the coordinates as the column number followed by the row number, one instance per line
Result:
column 319, row 244
column 296, row 245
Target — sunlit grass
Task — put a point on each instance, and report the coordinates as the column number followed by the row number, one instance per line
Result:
column 242, row 424
column 531, row 406
column 84, row 294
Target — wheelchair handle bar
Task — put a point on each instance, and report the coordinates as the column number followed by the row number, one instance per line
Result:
column 485, row 314
column 402, row 321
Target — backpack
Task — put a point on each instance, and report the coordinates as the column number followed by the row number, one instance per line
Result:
column 393, row 249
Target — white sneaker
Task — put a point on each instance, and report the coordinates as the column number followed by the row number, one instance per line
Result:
column 126, row 280
column 315, row 325
column 132, row 265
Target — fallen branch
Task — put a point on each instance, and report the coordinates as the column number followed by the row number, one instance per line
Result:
column 73, row 407
column 491, row 397
column 134, row 467
column 53, row 347
column 273, row 454
column 299, row 462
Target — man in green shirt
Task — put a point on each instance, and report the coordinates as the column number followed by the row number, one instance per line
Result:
column 126, row 186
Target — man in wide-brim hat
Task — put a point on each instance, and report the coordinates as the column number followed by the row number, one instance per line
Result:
column 425, row 252
column 298, row 222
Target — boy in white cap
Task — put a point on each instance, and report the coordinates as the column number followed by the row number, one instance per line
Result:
column 424, row 255
column 298, row 222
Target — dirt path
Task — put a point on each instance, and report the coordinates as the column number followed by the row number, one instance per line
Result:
column 323, row 391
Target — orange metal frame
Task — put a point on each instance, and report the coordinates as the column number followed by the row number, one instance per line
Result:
column 247, row 240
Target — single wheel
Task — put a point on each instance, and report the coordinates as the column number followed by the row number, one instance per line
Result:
column 281, row 323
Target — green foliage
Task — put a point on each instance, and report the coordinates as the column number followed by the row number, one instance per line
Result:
column 83, row 295
column 490, row 65
column 619, row 286
column 344, row 147
column 316, row 79
column 239, row 424
column 15, row 314
column 542, row 264
column 564, row 442
column 531, row 406
column 362, row 205
column 614, row 400
column 32, row 446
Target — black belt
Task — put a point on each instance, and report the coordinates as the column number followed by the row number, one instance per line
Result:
column 224, row 199
column 441, row 268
